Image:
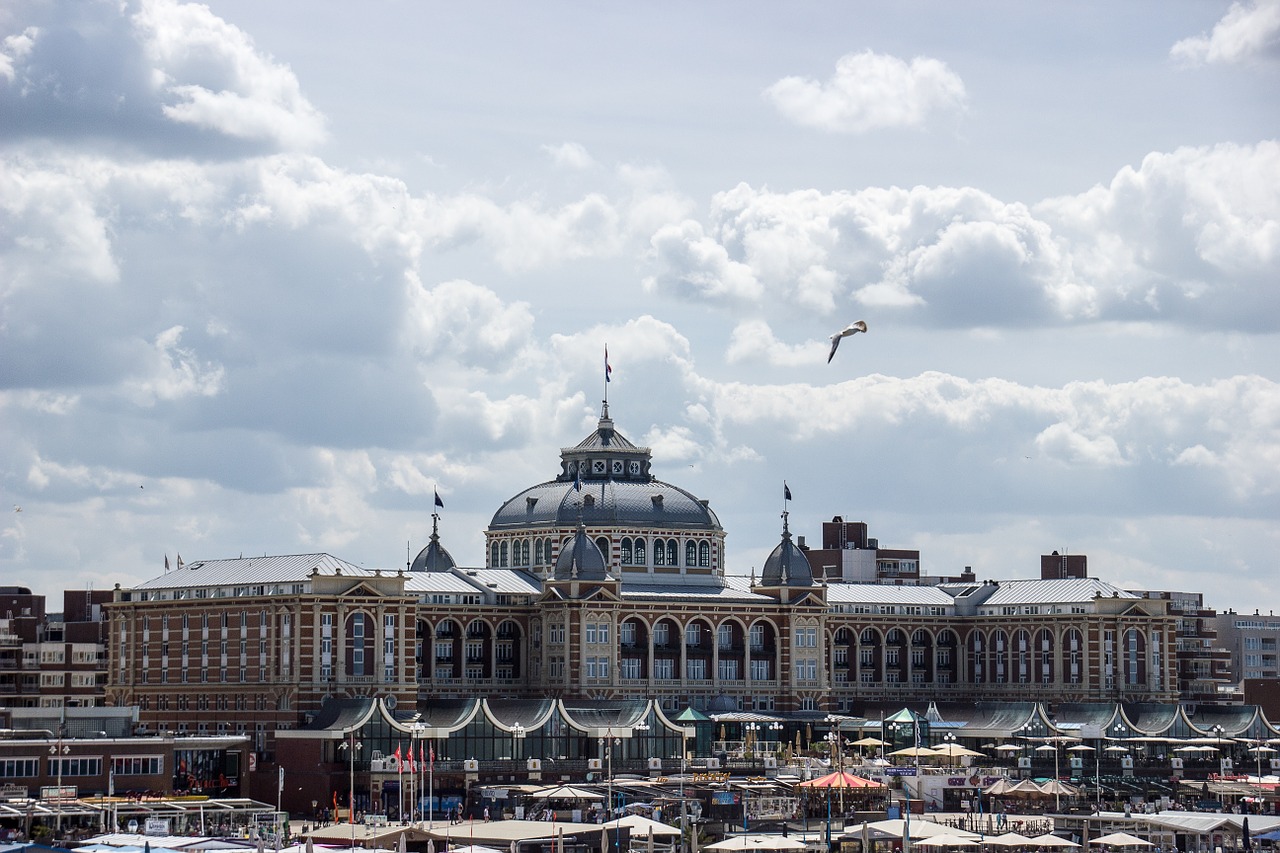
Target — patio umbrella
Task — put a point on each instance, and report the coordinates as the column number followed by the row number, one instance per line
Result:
column 1060, row 788
column 1046, row 748
column 1080, row 747
column 310, row 848
column 1245, row 843
column 1008, row 747
column 565, row 792
column 954, row 750
column 756, row 842
column 946, row 841
column 1011, row 839
column 840, row 779
column 1116, row 749
column 402, row 846
column 998, row 787
column 875, row 741
column 1121, row 839
column 1050, row 840
column 915, row 752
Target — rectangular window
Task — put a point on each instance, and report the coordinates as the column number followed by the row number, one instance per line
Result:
column 78, row 766
column 138, row 765
column 664, row 669
column 696, row 670
column 19, row 768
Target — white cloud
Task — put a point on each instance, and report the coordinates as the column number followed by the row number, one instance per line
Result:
column 15, row 48
column 569, row 155
column 1247, row 32
column 171, row 372
column 695, row 265
column 870, row 91
column 221, row 81
column 754, row 341
column 466, row 323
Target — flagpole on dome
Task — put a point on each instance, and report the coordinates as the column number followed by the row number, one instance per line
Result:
column 608, row 377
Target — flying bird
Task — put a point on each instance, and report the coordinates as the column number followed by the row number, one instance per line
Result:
column 17, row 508
column 851, row 329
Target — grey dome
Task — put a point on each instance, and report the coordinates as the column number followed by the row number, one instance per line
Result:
column 787, row 565
column 605, row 480
column 434, row 557
column 581, row 560
column 557, row 503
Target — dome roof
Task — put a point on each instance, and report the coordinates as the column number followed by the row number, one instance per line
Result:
column 605, row 480
column 581, row 560
column 433, row 558
column 787, row 565
column 616, row 503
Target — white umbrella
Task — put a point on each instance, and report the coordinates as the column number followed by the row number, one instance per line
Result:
column 946, row 840
column 1010, row 839
column 1080, row 747
column 756, row 842
column 1046, row 748
column 402, row 846
column 1050, row 840
column 1121, row 839
column 1008, row 747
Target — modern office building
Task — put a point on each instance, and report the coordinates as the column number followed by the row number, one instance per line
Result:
column 52, row 659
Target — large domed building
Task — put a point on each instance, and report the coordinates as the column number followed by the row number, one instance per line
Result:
column 648, row 531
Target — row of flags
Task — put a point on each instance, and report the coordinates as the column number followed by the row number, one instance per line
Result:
column 407, row 759
column 166, row 562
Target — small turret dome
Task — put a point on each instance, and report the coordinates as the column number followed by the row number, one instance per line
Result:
column 581, row 559
column 787, row 565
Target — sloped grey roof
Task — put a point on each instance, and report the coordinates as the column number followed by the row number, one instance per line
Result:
column 293, row 568
column 875, row 593
column 513, row 581
column 420, row 582
column 1054, row 591
column 734, row 590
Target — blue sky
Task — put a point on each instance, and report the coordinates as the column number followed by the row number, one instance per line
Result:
column 271, row 272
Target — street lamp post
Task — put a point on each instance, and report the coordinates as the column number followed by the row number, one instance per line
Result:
column 59, row 750
column 518, row 735
column 950, row 740
column 749, row 739
column 351, row 746
column 607, row 743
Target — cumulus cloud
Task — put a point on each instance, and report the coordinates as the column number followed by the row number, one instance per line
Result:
column 570, row 155
column 1249, row 31
column 1190, row 236
column 174, row 372
column 467, row 323
column 870, row 91
column 162, row 75
column 754, row 341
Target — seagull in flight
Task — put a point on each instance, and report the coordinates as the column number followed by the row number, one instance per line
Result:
column 851, row 329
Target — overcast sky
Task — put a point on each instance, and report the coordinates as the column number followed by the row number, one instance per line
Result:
column 271, row 271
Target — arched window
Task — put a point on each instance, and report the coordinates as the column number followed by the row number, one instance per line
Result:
column 493, row 555
column 503, row 550
column 673, row 552
column 704, row 555
column 691, row 553
column 640, row 558
column 602, row 542
column 537, row 551
column 625, row 556
column 659, row 553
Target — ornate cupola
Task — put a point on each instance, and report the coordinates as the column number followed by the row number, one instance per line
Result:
column 605, row 455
